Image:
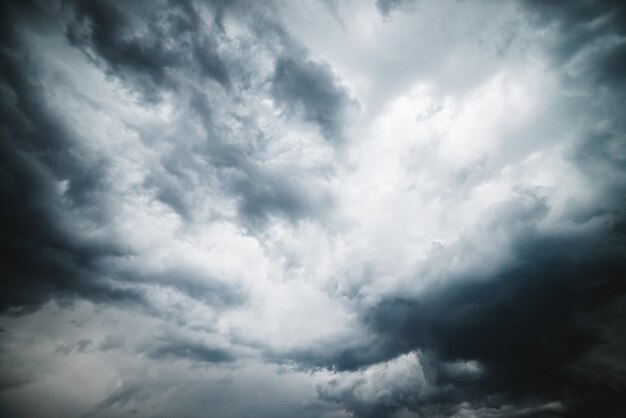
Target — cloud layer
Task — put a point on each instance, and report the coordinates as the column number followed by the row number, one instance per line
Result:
column 324, row 209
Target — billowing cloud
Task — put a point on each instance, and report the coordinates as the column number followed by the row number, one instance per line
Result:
column 317, row 209
column 313, row 87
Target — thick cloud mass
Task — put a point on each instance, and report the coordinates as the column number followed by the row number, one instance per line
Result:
column 313, row 209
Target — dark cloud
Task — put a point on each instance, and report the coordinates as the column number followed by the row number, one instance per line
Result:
column 14, row 376
column 106, row 29
column 386, row 7
column 111, row 342
column 586, row 27
column 139, row 44
column 41, row 258
column 210, row 63
column 143, row 42
column 261, row 192
column 301, row 83
column 80, row 346
column 539, row 337
column 265, row 194
column 120, row 398
column 174, row 347
column 532, row 329
column 342, row 357
column 197, row 285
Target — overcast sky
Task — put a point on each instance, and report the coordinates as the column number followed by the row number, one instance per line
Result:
column 331, row 208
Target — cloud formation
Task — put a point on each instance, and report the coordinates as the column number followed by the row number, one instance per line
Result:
column 317, row 209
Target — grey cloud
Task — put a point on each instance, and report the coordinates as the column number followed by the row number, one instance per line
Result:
column 531, row 328
column 341, row 357
column 195, row 351
column 197, row 285
column 80, row 346
column 386, row 7
column 540, row 329
column 314, row 88
column 172, row 37
column 83, row 345
column 261, row 192
column 101, row 26
column 41, row 258
column 120, row 398
column 210, row 62
column 586, row 27
column 44, row 257
column 461, row 261
column 111, row 342
column 13, row 375
column 264, row 194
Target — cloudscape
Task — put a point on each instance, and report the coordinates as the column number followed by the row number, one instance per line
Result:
column 313, row 208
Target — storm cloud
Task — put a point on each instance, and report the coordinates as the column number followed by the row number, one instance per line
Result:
column 312, row 209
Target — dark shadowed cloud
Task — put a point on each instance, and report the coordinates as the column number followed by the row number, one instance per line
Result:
column 42, row 259
column 190, row 350
column 313, row 87
column 387, row 6
column 531, row 329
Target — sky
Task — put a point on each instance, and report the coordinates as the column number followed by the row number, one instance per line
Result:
column 324, row 208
